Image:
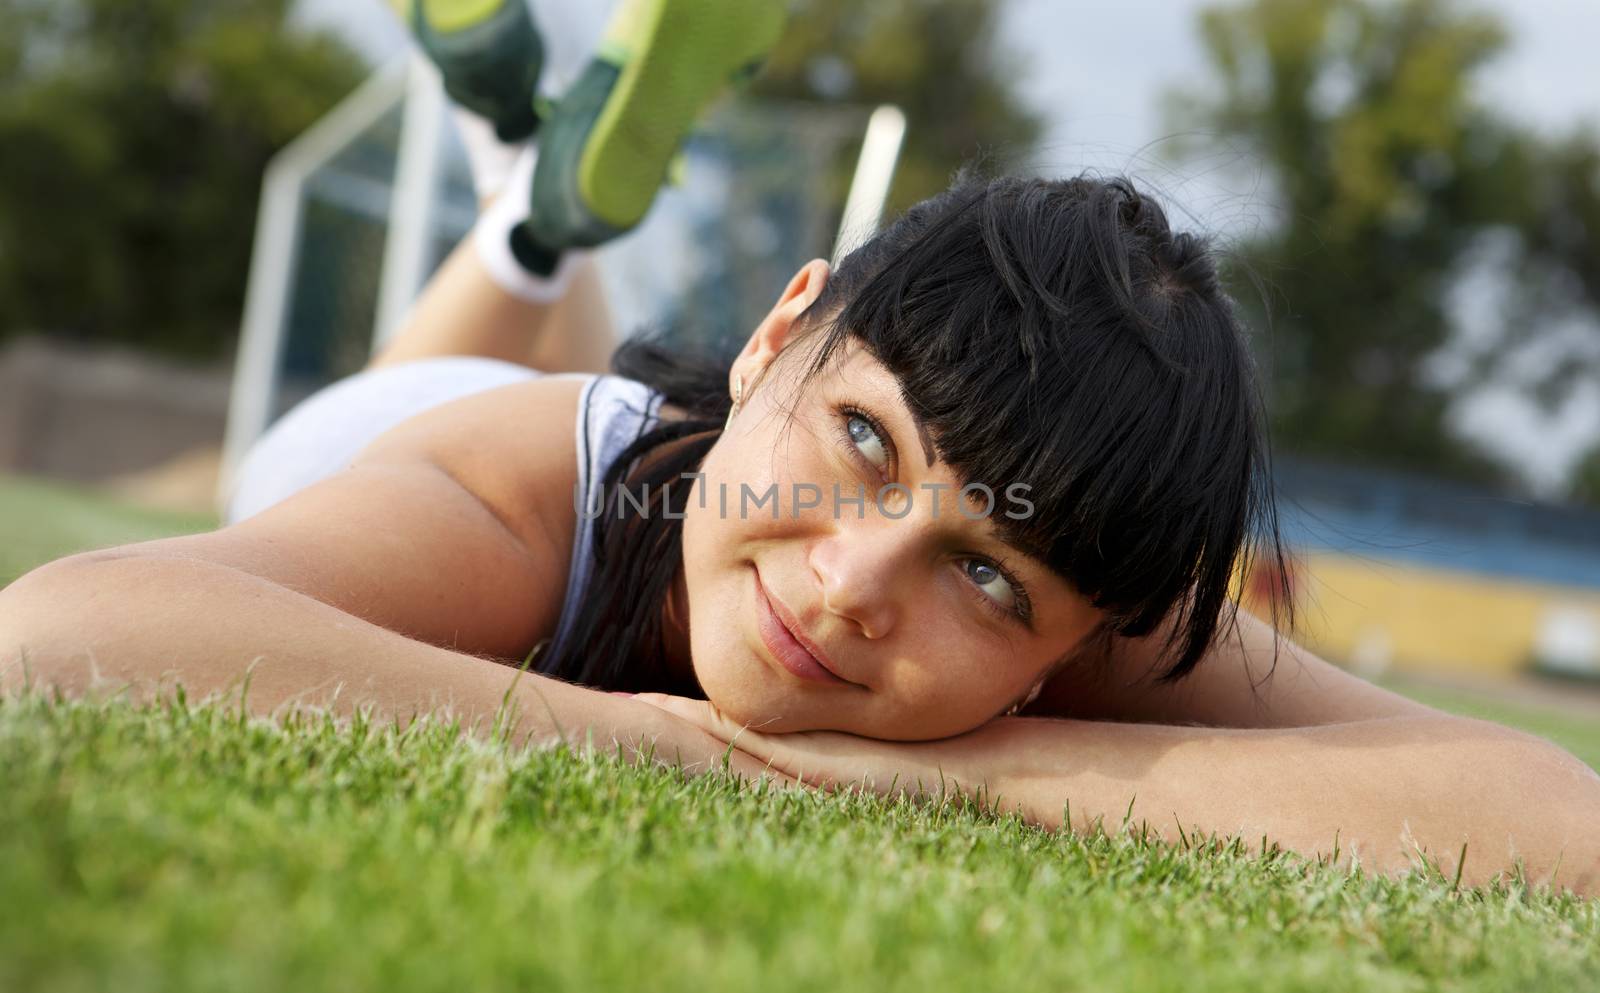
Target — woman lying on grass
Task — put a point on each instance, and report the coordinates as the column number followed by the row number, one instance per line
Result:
column 1054, row 335
column 962, row 512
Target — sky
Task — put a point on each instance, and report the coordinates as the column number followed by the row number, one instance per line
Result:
column 1098, row 72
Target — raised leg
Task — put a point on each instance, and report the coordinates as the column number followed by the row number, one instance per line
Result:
column 605, row 148
column 462, row 311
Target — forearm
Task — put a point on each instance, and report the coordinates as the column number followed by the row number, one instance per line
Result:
column 145, row 623
column 1382, row 790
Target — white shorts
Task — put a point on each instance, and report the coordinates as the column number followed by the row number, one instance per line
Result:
column 326, row 430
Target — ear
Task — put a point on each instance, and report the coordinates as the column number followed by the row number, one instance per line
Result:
column 777, row 328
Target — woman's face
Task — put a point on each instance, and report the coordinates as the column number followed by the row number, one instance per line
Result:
column 930, row 623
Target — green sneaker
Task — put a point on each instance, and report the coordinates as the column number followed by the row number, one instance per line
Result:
column 490, row 54
column 612, row 137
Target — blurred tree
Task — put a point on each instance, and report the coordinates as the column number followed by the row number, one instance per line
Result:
column 1391, row 177
column 939, row 60
column 1586, row 479
column 135, row 137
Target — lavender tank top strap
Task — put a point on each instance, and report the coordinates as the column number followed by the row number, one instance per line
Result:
column 612, row 413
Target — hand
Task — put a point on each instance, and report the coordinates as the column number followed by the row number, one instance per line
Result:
column 834, row 759
column 606, row 722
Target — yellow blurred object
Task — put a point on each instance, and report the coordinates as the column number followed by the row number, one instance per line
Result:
column 1373, row 614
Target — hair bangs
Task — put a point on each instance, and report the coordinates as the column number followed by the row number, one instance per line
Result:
column 1059, row 344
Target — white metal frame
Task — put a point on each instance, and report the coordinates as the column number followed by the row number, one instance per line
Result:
column 869, row 186
column 416, row 181
column 412, row 206
column 272, row 258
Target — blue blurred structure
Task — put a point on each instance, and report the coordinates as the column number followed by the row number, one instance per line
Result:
column 1359, row 510
column 1401, row 570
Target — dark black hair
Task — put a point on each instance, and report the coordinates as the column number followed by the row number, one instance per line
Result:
column 1053, row 333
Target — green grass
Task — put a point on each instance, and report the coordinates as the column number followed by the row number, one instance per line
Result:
column 178, row 847
column 41, row 521
column 184, row 848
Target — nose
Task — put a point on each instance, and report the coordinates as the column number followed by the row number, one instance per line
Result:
column 862, row 571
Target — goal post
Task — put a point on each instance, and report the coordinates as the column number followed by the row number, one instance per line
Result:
column 357, row 211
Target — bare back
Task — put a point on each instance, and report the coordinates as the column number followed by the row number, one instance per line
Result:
column 455, row 528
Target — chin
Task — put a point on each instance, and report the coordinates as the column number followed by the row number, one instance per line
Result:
column 747, row 692
column 736, row 680
column 742, row 700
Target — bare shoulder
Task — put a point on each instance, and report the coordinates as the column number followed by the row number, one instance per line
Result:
column 453, row 528
column 512, row 447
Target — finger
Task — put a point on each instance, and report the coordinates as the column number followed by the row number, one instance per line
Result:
column 689, row 710
column 699, row 713
column 732, row 761
column 819, row 759
column 702, row 714
column 705, row 716
column 754, row 770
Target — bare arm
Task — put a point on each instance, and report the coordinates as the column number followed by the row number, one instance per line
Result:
column 1253, row 680
column 91, row 624
column 135, row 626
column 394, row 583
column 1382, row 792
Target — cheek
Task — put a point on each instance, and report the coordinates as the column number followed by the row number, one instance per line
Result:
column 954, row 676
column 737, row 473
column 749, row 488
column 710, row 552
column 714, row 624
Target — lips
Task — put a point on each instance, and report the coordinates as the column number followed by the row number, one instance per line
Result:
column 778, row 633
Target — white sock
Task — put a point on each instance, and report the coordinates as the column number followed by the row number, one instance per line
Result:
column 490, row 159
column 491, row 237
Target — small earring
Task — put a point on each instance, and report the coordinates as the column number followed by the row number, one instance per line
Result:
column 1033, row 694
column 738, row 398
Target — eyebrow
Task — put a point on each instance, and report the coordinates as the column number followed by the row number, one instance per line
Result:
column 923, row 434
column 1004, row 535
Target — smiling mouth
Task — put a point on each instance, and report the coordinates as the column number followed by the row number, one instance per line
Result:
column 784, row 646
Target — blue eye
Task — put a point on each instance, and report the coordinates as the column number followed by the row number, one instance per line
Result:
column 993, row 582
column 866, row 439
column 863, row 434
